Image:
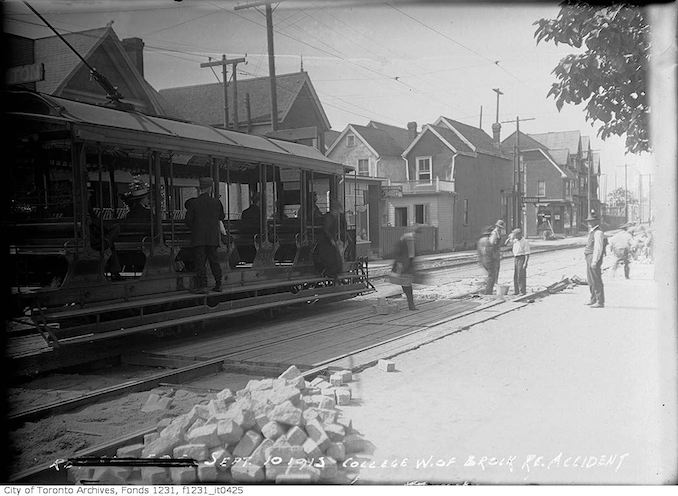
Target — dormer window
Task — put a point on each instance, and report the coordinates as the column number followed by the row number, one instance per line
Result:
column 350, row 140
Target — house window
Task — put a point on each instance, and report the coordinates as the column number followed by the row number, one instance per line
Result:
column 363, row 167
column 465, row 212
column 424, row 169
column 420, row 216
column 541, row 188
column 568, row 188
column 350, row 140
column 401, row 216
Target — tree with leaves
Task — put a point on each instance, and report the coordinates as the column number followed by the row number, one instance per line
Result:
column 609, row 73
column 619, row 197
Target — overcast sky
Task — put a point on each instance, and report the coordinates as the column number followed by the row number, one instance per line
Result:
column 395, row 63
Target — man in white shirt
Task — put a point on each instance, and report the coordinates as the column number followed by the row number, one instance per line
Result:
column 521, row 255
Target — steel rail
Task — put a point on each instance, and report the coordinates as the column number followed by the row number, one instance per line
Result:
column 205, row 366
column 50, row 473
column 55, row 473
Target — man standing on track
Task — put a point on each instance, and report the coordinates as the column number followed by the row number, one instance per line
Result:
column 521, row 255
column 203, row 215
column 593, row 252
column 489, row 253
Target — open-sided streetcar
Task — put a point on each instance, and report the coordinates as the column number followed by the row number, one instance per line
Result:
column 84, row 267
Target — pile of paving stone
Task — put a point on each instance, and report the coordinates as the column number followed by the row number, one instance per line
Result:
column 284, row 430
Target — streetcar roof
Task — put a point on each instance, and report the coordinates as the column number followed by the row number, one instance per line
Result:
column 108, row 125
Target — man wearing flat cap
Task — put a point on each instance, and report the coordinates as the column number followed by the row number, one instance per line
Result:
column 490, row 254
column 203, row 215
column 593, row 253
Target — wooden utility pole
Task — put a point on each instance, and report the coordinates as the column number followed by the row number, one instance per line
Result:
column 224, row 63
column 517, row 173
column 271, row 56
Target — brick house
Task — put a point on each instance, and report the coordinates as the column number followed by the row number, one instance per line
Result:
column 457, row 179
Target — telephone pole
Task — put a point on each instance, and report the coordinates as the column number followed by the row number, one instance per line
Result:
column 224, row 63
column 518, row 171
column 271, row 56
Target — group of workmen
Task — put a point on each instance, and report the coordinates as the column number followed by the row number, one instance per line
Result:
column 489, row 256
column 623, row 246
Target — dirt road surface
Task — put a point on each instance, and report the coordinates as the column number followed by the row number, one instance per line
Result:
column 553, row 393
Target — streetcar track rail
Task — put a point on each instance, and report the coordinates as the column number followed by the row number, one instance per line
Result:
column 55, row 473
column 205, row 366
column 470, row 259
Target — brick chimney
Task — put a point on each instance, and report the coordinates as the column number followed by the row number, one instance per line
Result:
column 134, row 47
column 411, row 130
column 496, row 132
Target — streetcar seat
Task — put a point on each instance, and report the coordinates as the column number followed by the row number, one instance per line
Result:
column 43, row 237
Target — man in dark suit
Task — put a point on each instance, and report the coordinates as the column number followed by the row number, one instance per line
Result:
column 203, row 215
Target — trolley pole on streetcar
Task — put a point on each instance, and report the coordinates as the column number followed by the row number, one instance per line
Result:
column 224, row 63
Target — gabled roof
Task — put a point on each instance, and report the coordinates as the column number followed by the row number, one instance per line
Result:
column 380, row 143
column 596, row 163
column 204, row 103
column 560, row 139
column 448, row 137
column 59, row 60
column 527, row 143
column 560, row 156
column 400, row 135
column 61, row 63
column 477, row 139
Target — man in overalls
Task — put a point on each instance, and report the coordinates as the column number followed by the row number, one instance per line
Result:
column 593, row 253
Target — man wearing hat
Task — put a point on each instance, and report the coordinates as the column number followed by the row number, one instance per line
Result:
column 137, row 201
column 203, row 215
column 489, row 253
column 593, row 253
column 521, row 255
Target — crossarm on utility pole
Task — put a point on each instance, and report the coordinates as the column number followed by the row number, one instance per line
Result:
column 224, row 63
